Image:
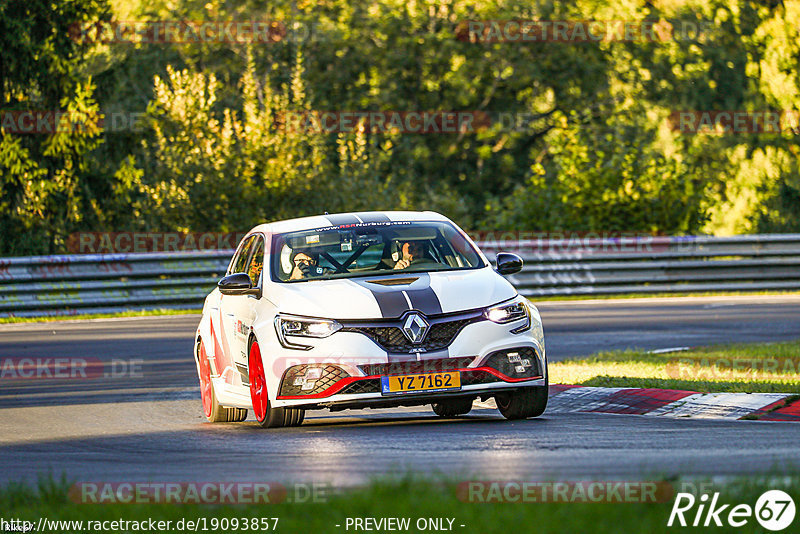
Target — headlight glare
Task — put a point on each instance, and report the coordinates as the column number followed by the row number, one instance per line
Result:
column 290, row 325
column 307, row 327
column 509, row 312
column 506, row 313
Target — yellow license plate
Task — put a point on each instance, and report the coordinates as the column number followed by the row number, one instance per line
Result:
column 422, row 382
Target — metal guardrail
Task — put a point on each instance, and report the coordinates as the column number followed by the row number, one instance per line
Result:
column 657, row 265
column 95, row 283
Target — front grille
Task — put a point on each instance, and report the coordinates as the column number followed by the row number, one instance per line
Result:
column 330, row 375
column 500, row 361
column 469, row 378
column 416, row 367
column 392, row 339
column 371, row 385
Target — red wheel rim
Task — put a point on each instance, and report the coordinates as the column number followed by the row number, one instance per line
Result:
column 205, row 379
column 258, row 384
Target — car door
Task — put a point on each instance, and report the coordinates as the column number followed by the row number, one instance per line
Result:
column 238, row 311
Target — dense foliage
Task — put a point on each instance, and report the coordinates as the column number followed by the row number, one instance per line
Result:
column 209, row 153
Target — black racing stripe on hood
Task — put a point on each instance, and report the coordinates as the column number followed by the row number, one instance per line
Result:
column 373, row 217
column 393, row 304
column 391, row 301
column 342, row 218
column 425, row 300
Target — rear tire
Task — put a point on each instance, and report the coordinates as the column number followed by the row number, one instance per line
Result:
column 214, row 411
column 452, row 407
column 238, row 414
column 266, row 415
column 294, row 416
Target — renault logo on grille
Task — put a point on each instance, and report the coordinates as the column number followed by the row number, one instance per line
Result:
column 415, row 327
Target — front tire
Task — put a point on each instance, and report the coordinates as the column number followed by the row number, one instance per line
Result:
column 214, row 411
column 266, row 415
column 523, row 403
column 452, row 407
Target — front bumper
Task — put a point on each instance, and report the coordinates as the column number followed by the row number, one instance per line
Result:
column 345, row 402
column 506, row 368
column 344, row 379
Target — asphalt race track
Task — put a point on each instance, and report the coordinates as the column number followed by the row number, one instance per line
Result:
column 149, row 427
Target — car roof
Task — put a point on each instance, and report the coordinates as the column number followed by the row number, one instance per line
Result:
column 336, row 219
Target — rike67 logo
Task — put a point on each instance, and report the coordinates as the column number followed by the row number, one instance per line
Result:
column 774, row 510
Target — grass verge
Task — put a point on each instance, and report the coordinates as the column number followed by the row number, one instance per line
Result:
column 745, row 368
column 412, row 498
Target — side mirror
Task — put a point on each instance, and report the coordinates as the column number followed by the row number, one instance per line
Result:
column 508, row 263
column 237, row 284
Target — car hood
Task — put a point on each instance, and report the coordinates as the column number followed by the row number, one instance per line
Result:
column 391, row 295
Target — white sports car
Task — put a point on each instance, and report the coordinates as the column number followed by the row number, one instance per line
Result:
column 357, row 310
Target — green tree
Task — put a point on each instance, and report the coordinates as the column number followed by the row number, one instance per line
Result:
column 43, row 177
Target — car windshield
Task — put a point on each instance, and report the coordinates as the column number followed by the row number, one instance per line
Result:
column 366, row 249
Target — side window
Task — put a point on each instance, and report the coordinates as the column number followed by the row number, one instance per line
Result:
column 240, row 261
column 257, row 261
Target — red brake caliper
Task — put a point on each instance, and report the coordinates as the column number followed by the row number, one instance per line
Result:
column 258, row 383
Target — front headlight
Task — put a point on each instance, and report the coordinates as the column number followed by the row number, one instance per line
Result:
column 508, row 312
column 293, row 325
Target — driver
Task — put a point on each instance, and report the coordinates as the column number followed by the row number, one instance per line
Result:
column 306, row 265
column 413, row 251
